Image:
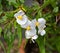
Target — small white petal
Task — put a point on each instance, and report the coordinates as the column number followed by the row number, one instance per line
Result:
column 41, row 26
column 27, row 37
column 35, row 37
column 39, row 31
column 26, row 24
column 32, row 25
column 42, row 21
column 43, row 33
column 34, row 21
column 30, row 32
column 20, row 13
column 23, row 21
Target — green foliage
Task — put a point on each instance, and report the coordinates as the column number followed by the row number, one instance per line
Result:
column 19, row 30
column 0, row 31
column 41, row 43
column 2, row 46
column 50, row 9
column 56, row 9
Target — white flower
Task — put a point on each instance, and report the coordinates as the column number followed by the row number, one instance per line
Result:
column 30, row 26
column 31, row 34
column 30, row 31
column 40, row 23
column 21, row 18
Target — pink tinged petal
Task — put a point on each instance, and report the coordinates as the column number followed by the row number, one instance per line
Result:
column 42, row 21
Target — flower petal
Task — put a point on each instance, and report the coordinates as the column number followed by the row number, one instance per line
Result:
column 34, row 21
column 41, row 27
column 26, row 24
column 31, row 32
column 23, row 21
column 42, row 21
column 27, row 37
column 20, row 13
column 43, row 33
column 35, row 37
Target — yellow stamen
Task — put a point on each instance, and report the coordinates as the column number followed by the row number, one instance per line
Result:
column 20, row 17
column 37, row 23
column 28, row 28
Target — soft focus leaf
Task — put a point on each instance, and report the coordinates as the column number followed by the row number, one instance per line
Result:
column 41, row 44
column 0, row 29
column 19, row 33
column 22, row 1
column 56, row 9
column 2, row 46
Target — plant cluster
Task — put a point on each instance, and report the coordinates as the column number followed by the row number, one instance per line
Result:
column 49, row 10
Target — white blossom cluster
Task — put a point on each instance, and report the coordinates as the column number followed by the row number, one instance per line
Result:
column 30, row 25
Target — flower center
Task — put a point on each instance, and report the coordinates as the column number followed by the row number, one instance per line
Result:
column 37, row 23
column 28, row 28
column 20, row 17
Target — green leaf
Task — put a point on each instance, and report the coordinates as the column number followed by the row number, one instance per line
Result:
column 1, row 5
column 53, row 3
column 58, row 46
column 4, row 18
column 19, row 33
column 0, row 12
column 41, row 44
column 0, row 29
column 1, row 44
column 56, row 42
column 22, row 1
column 56, row 9
column 14, row 3
column 15, row 24
column 9, row 15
